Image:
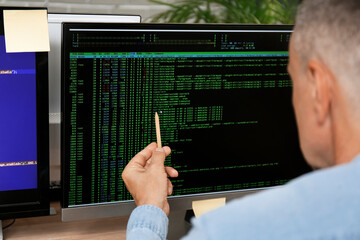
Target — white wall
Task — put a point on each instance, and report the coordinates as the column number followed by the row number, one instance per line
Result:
column 138, row 7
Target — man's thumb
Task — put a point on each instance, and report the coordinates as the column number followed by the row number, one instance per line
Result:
column 158, row 157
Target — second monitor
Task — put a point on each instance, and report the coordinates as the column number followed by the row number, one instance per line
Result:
column 224, row 99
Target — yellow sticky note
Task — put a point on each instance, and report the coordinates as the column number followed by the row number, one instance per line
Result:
column 203, row 206
column 26, row 31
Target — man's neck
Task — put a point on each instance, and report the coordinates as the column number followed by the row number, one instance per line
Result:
column 347, row 139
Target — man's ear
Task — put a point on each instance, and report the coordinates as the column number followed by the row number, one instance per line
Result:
column 320, row 82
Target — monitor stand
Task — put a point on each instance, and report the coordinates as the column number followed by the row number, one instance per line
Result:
column 1, row 231
column 179, row 224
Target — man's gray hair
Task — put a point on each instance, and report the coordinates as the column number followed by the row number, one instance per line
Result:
column 329, row 30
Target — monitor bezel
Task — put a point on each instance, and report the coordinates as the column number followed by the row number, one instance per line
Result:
column 183, row 202
column 33, row 202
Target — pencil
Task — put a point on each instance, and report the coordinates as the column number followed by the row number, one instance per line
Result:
column 157, row 127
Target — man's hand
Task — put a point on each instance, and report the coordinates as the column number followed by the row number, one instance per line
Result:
column 146, row 177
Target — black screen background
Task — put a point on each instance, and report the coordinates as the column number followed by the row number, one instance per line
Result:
column 225, row 157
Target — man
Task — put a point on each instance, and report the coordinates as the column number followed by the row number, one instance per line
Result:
column 325, row 69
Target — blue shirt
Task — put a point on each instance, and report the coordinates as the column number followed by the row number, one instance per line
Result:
column 323, row 204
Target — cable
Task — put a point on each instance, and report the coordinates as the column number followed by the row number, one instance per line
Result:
column 9, row 225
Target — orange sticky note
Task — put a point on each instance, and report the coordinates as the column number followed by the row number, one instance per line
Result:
column 203, row 206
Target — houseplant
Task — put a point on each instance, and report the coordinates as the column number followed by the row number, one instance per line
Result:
column 228, row 11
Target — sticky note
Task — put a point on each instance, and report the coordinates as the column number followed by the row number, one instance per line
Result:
column 26, row 31
column 203, row 206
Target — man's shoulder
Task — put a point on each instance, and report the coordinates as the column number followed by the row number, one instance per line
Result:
column 325, row 183
column 322, row 202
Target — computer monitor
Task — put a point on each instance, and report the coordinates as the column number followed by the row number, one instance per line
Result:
column 224, row 99
column 55, row 21
column 24, row 132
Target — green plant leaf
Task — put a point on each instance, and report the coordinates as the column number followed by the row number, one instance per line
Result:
column 228, row 11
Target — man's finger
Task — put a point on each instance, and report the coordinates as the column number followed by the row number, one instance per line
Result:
column 171, row 172
column 170, row 187
column 144, row 155
column 167, row 150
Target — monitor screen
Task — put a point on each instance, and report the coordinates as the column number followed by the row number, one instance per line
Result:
column 18, row 121
column 24, row 171
column 222, row 92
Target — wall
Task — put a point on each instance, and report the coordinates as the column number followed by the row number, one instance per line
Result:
column 138, row 7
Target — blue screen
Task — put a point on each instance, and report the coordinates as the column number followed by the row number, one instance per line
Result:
column 18, row 137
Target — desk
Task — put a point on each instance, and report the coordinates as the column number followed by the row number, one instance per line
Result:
column 51, row 227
